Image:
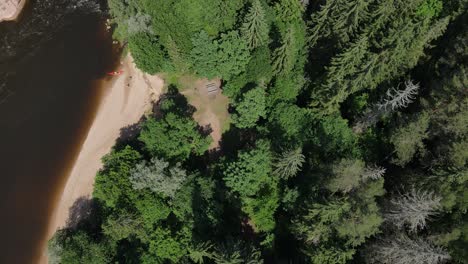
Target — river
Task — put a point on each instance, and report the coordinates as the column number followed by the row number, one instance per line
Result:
column 52, row 63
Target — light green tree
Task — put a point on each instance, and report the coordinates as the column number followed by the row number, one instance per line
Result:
column 347, row 175
column 158, row 177
column 255, row 27
column 408, row 139
column 289, row 163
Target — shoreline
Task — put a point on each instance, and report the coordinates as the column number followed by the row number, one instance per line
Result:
column 16, row 14
column 126, row 98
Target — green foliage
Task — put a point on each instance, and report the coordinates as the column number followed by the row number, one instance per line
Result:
column 291, row 181
column 391, row 41
column 314, row 227
column 225, row 58
column 347, row 175
column 249, row 176
column 152, row 209
column 255, row 27
column 262, row 208
column 251, row 171
column 335, row 136
column 173, row 137
column 112, row 182
column 289, row 163
column 121, row 227
column 147, row 52
column 158, row 177
column 408, row 140
column 331, row 255
column 430, row 8
column 205, row 55
column 259, row 67
column 351, row 220
column 251, row 108
column 288, row 11
column 80, row 248
column 233, row 55
column 164, row 246
column 289, row 121
column 284, row 56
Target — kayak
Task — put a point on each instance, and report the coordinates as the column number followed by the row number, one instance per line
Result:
column 114, row 73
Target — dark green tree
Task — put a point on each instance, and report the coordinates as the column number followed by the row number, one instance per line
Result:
column 251, row 108
column 173, row 137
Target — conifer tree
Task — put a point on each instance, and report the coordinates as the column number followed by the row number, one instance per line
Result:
column 403, row 250
column 284, row 56
column 340, row 18
column 396, row 99
column 412, row 209
column 388, row 53
column 400, row 98
column 255, row 27
column 289, row 163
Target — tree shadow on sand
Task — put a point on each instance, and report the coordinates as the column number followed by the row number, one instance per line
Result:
column 80, row 212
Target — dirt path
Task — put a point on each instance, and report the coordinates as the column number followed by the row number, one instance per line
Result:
column 126, row 101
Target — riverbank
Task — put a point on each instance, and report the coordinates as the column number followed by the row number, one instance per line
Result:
column 11, row 9
column 128, row 97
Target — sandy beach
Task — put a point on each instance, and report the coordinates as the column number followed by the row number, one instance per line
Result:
column 11, row 9
column 124, row 103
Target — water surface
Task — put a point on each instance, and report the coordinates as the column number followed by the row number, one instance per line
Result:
column 49, row 90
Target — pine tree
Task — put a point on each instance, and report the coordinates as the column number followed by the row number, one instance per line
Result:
column 255, row 28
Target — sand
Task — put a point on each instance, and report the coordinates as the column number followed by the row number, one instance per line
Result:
column 125, row 102
column 212, row 110
column 10, row 9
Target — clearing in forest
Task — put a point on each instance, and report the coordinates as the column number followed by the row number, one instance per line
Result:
column 212, row 106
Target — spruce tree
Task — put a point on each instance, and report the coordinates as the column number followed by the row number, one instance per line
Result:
column 284, row 56
column 289, row 163
column 255, row 27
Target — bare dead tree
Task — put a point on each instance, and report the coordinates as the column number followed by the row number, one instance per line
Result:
column 401, row 249
column 412, row 209
column 374, row 172
column 397, row 99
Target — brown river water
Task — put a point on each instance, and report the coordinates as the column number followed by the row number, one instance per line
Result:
column 51, row 69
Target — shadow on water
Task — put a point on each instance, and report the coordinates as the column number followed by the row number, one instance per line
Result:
column 52, row 65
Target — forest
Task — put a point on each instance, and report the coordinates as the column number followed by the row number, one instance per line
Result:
column 347, row 143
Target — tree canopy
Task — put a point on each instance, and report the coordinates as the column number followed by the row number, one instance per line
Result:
column 347, row 144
